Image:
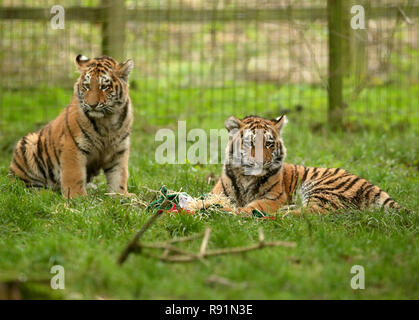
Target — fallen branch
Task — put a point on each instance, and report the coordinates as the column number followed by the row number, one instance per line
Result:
column 172, row 253
column 204, row 242
column 133, row 242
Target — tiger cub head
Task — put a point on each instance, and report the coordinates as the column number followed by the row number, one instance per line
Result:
column 102, row 88
column 255, row 144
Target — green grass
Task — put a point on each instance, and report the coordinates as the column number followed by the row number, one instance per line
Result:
column 39, row 229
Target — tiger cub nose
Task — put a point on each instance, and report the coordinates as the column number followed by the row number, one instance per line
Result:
column 93, row 105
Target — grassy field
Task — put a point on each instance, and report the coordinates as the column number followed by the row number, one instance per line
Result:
column 39, row 229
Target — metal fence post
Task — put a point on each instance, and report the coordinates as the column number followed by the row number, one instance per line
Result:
column 113, row 28
column 336, row 70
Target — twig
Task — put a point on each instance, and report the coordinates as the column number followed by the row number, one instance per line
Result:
column 167, row 247
column 190, row 258
column 134, row 240
column 186, row 256
column 405, row 17
column 261, row 236
column 217, row 280
column 250, row 248
column 166, row 252
column 205, row 242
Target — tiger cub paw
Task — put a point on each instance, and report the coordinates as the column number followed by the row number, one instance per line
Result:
column 244, row 211
column 69, row 194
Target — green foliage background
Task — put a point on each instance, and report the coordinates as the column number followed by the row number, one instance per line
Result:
column 39, row 229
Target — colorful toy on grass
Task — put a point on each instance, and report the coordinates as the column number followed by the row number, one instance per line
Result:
column 181, row 202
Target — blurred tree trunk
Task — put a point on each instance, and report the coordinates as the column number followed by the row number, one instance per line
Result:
column 336, row 70
column 113, row 28
column 347, row 38
column 354, row 48
column 359, row 52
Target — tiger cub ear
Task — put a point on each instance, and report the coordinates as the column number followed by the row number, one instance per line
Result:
column 280, row 122
column 81, row 62
column 125, row 68
column 232, row 123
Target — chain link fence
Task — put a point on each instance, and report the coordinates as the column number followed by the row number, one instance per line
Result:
column 200, row 58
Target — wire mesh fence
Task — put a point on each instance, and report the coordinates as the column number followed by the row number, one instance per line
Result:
column 213, row 58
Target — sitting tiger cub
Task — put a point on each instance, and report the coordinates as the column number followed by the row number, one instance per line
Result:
column 90, row 134
column 256, row 177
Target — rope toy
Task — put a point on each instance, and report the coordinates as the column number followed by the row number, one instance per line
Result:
column 181, row 202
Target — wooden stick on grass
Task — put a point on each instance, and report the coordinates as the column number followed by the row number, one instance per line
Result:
column 181, row 255
column 133, row 242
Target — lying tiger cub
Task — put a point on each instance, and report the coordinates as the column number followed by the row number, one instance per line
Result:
column 256, row 177
column 90, row 134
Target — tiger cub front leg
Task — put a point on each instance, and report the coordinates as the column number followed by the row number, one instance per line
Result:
column 73, row 173
column 116, row 173
column 264, row 205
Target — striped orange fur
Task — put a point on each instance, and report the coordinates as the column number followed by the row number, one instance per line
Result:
column 90, row 134
column 274, row 184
